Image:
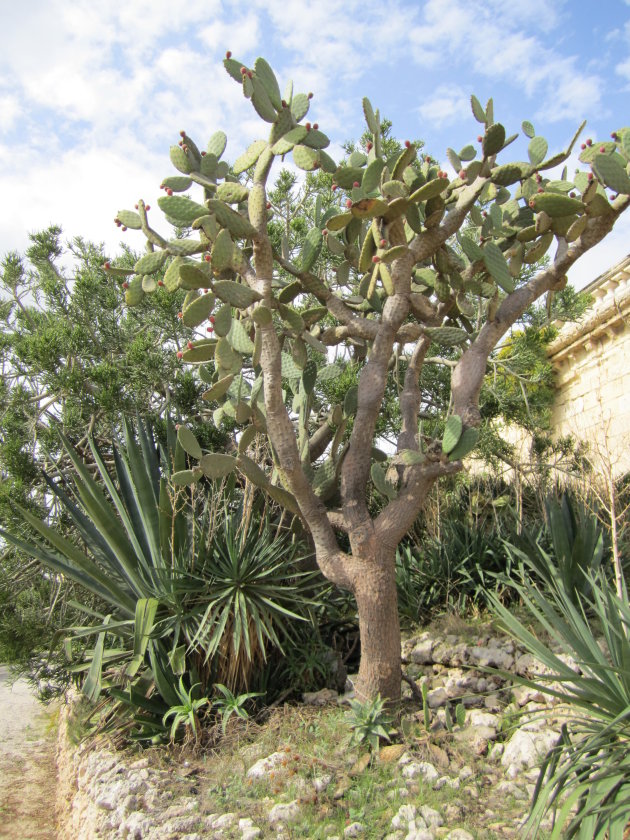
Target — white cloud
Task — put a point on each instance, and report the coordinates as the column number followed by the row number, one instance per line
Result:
column 445, row 106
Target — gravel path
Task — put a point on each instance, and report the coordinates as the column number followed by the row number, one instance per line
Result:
column 28, row 776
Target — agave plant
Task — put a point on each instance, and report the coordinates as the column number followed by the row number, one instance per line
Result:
column 180, row 598
column 587, row 774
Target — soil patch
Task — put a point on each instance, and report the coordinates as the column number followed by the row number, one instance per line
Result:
column 28, row 773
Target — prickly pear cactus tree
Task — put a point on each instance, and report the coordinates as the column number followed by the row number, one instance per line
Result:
column 404, row 259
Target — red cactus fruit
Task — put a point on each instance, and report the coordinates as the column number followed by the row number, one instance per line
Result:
column 407, row 144
column 376, row 259
column 190, row 345
column 243, row 71
column 310, row 95
column 160, row 282
column 179, row 354
column 315, row 126
column 228, row 54
column 383, row 243
column 589, row 142
column 356, row 184
column 125, row 285
column 349, row 202
column 207, row 257
column 180, row 315
column 107, row 266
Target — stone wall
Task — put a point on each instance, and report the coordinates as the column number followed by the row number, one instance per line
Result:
column 592, row 364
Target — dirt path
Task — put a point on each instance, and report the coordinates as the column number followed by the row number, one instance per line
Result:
column 28, row 776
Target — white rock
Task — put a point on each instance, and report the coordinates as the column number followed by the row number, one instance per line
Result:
column 404, row 815
column 420, row 834
column 225, row 820
column 496, row 751
column 465, row 773
column 284, row 812
column 135, row 826
column 432, row 818
column 511, row 789
column 320, row 698
column 355, row 829
column 446, row 781
column 421, row 768
column 421, row 654
column 493, row 657
column 525, row 749
column 321, row 782
column 251, row 833
column 476, row 717
column 437, row 697
column 459, row 834
column 264, row 766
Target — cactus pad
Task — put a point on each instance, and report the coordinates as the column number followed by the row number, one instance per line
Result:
column 232, row 193
column 497, row 266
column 310, row 249
column 452, row 433
column 198, row 310
column 218, row 390
column 305, row 158
column 130, row 219
column 151, row 262
column 493, row 139
column 249, row 157
column 216, row 465
column 180, row 160
column 447, row 336
column 236, row 294
column 181, row 209
column 465, row 444
column 189, row 442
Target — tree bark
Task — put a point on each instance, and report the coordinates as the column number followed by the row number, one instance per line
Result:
column 377, row 602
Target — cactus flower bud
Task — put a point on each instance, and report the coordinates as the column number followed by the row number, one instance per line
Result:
column 211, row 319
column 148, row 207
column 179, row 356
column 180, row 315
column 369, row 146
column 582, row 146
column 268, row 205
column 228, row 54
column 307, row 126
column 207, row 257
column 589, row 142
column 480, row 139
column 333, row 187
column 325, row 232
column 310, row 95
column 462, row 174
column 210, row 329
column 376, row 259
column 571, row 195
column 106, row 266
column 160, row 282
column 407, row 144
column 590, row 176
column 182, row 133
column 190, row 345
column 169, row 191
column 125, row 285
column 243, row 71
column 315, row 126
column 349, row 202
column 356, row 184
column 124, row 228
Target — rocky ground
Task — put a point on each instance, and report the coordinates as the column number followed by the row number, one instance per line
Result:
column 296, row 777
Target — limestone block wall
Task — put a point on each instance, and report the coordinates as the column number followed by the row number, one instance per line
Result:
column 592, row 364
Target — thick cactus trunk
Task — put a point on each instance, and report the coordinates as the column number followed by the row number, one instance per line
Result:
column 375, row 592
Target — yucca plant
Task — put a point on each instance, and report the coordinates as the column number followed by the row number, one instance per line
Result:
column 255, row 593
column 585, row 778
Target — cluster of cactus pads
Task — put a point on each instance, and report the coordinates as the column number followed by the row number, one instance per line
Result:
column 377, row 206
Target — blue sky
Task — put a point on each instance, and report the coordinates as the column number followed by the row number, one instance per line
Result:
column 92, row 94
